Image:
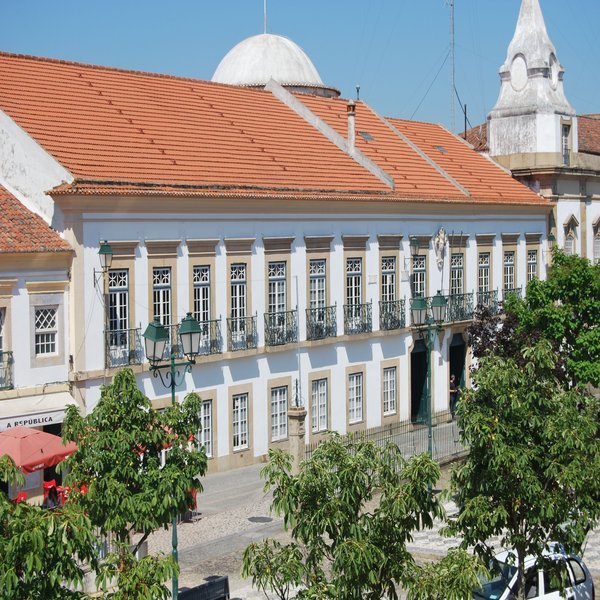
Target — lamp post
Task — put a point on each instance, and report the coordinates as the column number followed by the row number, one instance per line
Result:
column 156, row 337
column 105, row 253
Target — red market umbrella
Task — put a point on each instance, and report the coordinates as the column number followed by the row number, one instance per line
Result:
column 33, row 450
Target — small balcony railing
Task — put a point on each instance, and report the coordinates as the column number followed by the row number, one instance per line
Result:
column 517, row 291
column 357, row 319
column 392, row 315
column 281, row 328
column 489, row 300
column 6, row 370
column 460, row 307
column 174, row 344
column 123, row 347
column 211, row 341
column 241, row 333
column 321, row 323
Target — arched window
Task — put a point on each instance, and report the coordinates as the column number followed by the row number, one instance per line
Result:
column 570, row 244
column 597, row 248
column 571, row 226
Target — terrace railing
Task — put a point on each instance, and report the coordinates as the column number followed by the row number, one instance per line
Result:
column 321, row 323
column 489, row 300
column 392, row 315
column 460, row 307
column 281, row 328
column 241, row 333
column 123, row 347
column 357, row 319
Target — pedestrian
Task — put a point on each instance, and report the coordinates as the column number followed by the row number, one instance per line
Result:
column 454, row 394
column 51, row 500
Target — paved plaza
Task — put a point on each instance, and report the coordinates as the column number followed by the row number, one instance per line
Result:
column 234, row 511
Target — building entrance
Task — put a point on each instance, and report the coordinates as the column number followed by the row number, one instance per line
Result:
column 418, row 383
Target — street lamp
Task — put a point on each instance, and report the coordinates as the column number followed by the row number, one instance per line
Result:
column 156, row 337
column 428, row 324
column 105, row 253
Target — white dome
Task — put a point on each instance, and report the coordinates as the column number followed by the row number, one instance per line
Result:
column 257, row 59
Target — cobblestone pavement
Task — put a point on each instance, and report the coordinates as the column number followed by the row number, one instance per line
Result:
column 214, row 543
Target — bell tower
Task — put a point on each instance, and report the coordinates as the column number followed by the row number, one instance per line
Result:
column 532, row 114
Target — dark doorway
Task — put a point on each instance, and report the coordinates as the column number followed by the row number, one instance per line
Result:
column 458, row 354
column 51, row 473
column 418, row 383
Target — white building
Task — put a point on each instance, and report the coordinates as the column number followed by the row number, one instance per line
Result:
column 277, row 213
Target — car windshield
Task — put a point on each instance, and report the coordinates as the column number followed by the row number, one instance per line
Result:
column 492, row 588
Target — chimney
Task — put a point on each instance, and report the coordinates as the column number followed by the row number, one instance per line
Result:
column 351, row 109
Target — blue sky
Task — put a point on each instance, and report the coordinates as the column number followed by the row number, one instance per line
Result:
column 392, row 48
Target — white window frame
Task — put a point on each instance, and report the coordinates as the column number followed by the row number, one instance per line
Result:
column 457, row 274
column 419, row 275
column 389, row 390
column 509, row 270
column 355, row 397
column 238, row 290
column 388, row 278
column 318, row 283
column 570, row 244
column 201, row 283
column 354, row 281
column 205, row 434
column 532, row 264
column 46, row 337
column 596, row 248
column 279, row 413
column 2, row 319
column 118, row 299
column 319, row 405
column 162, row 299
column 239, row 421
column 483, row 272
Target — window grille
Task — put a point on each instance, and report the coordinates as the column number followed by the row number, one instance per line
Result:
column 45, row 331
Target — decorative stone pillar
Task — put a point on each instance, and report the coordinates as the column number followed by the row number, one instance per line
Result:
column 297, row 430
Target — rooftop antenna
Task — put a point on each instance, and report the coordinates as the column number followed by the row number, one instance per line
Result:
column 357, row 93
column 265, row 17
column 450, row 3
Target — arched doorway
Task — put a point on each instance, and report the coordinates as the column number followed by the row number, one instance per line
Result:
column 418, row 383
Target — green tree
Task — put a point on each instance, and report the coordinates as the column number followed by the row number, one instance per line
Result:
column 121, row 446
column 531, row 476
column 563, row 309
column 41, row 551
column 352, row 511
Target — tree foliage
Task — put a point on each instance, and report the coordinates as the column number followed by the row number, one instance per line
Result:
column 563, row 309
column 531, row 476
column 131, row 484
column 351, row 511
column 41, row 551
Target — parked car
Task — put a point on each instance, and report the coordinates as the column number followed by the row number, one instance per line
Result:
column 538, row 583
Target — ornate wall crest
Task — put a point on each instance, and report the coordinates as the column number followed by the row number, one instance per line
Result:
column 439, row 245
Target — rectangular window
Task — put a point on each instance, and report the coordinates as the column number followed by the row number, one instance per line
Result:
column 201, row 282
column 355, row 397
column 279, row 417
column 45, row 331
column 238, row 290
column 388, row 279
column 532, row 265
column 161, row 294
column 240, row 421
column 457, row 274
column 509, row 270
column 597, row 248
column 566, row 131
column 319, row 405
column 205, row 436
column 418, row 276
column 118, row 300
column 389, row 391
column 318, row 281
column 277, row 291
column 354, row 281
column 2, row 317
column 483, row 272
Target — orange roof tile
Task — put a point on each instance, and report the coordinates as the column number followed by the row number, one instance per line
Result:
column 121, row 129
column 24, row 231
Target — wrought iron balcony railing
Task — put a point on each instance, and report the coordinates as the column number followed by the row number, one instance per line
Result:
column 392, row 315
column 489, row 300
column 6, row 370
column 281, row 328
column 123, row 347
column 211, row 341
column 241, row 333
column 321, row 323
column 460, row 307
column 517, row 291
column 357, row 318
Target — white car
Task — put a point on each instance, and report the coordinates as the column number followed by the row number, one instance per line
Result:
column 538, row 583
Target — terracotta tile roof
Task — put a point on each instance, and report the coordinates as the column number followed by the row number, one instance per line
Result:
column 477, row 137
column 589, row 133
column 23, row 231
column 115, row 129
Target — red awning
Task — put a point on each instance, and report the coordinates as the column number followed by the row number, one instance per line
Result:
column 33, row 450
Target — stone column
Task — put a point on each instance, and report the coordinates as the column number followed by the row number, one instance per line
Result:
column 296, row 418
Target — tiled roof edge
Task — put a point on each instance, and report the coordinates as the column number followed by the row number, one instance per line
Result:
column 333, row 136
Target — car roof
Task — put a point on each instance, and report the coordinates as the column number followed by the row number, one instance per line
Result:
column 530, row 560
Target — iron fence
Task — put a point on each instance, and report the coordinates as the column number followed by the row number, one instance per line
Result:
column 321, row 323
column 281, row 328
column 123, row 347
column 392, row 315
column 241, row 333
column 357, row 318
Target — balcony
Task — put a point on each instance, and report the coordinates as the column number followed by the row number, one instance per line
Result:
column 321, row 323
column 392, row 315
column 489, row 300
column 211, row 341
column 241, row 333
column 357, row 319
column 6, row 370
column 460, row 307
column 123, row 347
column 517, row 291
column 281, row 328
